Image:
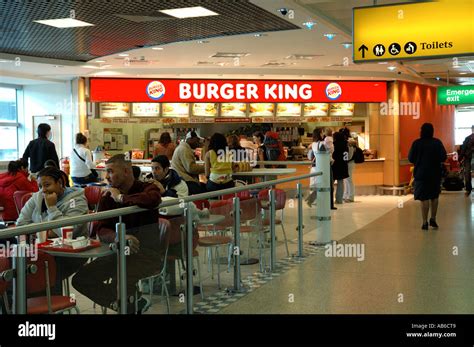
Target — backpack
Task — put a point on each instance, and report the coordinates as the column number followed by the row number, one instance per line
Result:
column 273, row 147
column 358, row 156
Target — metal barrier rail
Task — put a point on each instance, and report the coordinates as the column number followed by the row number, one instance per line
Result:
column 19, row 262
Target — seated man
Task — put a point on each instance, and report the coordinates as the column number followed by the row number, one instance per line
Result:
column 142, row 232
column 166, row 179
column 184, row 163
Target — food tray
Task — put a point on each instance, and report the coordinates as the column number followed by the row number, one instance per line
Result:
column 64, row 248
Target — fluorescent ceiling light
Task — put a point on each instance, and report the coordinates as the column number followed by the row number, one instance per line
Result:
column 64, row 23
column 100, row 61
column 157, row 48
column 123, row 55
column 392, row 68
column 229, row 55
column 189, row 12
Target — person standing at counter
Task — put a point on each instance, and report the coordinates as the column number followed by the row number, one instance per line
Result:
column 315, row 147
column 82, row 165
column 427, row 154
column 41, row 149
column 258, row 139
column 349, row 189
column 184, row 163
column 218, row 164
column 339, row 166
column 165, row 146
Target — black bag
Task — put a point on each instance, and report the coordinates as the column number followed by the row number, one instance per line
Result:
column 453, row 182
column 94, row 172
column 358, row 156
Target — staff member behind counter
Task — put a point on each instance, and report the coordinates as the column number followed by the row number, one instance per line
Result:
column 184, row 163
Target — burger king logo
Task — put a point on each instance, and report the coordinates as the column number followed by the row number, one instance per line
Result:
column 155, row 90
column 333, row 91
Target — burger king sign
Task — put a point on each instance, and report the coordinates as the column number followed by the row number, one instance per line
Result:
column 155, row 90
column 333, row 91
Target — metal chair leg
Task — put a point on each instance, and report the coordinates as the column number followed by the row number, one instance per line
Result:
column 286, row 241
column 199, row 278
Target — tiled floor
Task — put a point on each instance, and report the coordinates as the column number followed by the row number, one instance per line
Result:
column 346, row 220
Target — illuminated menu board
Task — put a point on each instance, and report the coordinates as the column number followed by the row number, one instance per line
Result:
column 176, row 110
column 288, row 110
column 315, row 110
column 114, row 110
column 146, row 110
column 341, row 110
column 233, row 110
column 205, row 109
column 262, row 110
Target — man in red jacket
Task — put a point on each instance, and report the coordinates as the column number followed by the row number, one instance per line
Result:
column 142, row 235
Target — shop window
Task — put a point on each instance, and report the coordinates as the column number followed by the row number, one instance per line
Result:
column 463, row 121
column 8, row 124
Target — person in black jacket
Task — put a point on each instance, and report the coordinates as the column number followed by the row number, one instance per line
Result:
column 428, row 154
column 41, row 149
column 466, row 155
column 340, row 168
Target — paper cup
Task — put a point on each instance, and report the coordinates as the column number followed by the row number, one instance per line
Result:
column 41, row 236
column 67, row 232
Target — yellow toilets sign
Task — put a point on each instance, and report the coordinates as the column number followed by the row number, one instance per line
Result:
column 418, row 30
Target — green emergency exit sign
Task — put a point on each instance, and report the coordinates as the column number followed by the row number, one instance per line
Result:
column 457, row 95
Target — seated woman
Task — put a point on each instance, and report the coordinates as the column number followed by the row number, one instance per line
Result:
column 218, row 164
column 82, row 166
column 55, row 201
column 15, row 179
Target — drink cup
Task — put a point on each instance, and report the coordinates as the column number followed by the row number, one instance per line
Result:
column 67, row 232
column 41, row 236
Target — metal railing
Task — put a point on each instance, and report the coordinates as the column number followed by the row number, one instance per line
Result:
column 19, row 263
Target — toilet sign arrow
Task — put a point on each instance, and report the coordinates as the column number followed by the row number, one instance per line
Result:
column 363, row 48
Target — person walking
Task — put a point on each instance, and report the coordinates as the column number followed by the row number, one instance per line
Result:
column 427, row 154
column 466, row 157
column 40, row 150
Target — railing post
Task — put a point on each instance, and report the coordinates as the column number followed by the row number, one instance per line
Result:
column 323, row 184
column 122, row 266
column 19, row 280
column 271, row 196
column 299, row 192
column 236, row 250
column 189, row 259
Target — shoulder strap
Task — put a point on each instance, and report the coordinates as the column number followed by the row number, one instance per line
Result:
column 79, row 156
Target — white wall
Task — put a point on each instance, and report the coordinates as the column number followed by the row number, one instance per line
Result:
column 51, row 99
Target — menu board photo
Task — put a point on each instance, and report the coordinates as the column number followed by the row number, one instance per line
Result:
column 288, row 110
column 262, row 110
column 114, row 110
column 175, row 110
column 233, row 110
column 205, row 109
column 315, row 110
column 146, row 110
column 341, row 110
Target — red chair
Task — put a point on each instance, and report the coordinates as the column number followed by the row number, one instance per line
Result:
column 93, row 195
column 42, row 281
column 280, row 202
column 20, row 198
column 4, row 265
column 245, row 195
column 202, row 204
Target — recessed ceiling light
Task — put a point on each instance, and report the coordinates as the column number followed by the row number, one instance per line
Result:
column 309, row 24
column 157, row 48
column 437, row 78
column 100, row 61
column 189, row 12
column 229, row 55
column 392, row 68
column 202, row 41
column 346, row 44
column 123, row 55
column 383, row 63
column 64, row 23
column 463, row 73
column 330, row 36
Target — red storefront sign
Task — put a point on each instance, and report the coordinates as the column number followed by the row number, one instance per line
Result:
column 169, row 90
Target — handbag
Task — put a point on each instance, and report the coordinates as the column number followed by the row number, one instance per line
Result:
column 94, row 172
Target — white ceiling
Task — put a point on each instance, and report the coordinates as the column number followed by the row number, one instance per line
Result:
column 181, row 59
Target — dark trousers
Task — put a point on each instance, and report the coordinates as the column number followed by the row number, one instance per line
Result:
column 212, row 186
column 196, row 187
column 65, row 267
column 467, row 175
column 84, row 180
column 332, row 188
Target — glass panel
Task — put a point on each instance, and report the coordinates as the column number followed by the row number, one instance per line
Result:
column 8, row 143
column 8, row 105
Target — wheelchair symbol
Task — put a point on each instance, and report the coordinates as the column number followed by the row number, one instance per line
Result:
column 394, row 49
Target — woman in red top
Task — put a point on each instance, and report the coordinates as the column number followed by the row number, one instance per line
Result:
column 15, row 179
column 165, row 146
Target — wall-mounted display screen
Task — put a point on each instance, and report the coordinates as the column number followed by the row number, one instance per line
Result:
column 145, row 110
column 315, row 110
column 114, row 110
column 205, row 109
column 288, row 110
column 341, row 110
column 262, row 110
column 233, row 110
column 175, row 110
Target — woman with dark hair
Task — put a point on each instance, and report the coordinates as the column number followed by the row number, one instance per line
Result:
column 218, row 164
column 165, row 146
column 15, row 179
column 239, row 153
column 82, row 166
column 427, row 154
column 340, row 169
column 258, row 139
column 55, row 201
column 41, row 149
